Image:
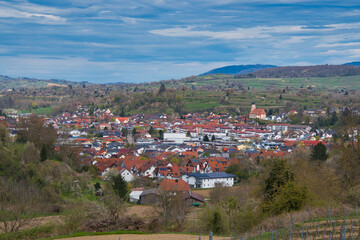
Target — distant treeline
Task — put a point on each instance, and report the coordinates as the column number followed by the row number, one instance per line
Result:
column 304, row 72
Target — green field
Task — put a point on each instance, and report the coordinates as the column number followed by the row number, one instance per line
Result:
column 40, row 111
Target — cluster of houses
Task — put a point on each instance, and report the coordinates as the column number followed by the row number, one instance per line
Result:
column 180, row 154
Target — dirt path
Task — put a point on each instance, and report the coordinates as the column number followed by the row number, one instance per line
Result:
column 146, row 237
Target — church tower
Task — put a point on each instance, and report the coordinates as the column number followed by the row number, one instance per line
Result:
column 253, row 106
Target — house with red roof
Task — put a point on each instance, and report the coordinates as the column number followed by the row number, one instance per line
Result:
column 174, row 185
column 257, row 113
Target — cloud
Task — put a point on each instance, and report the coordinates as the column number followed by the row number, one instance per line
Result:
column 353, row 13
column 6, row 12
column 336, row 45
column 343, row 26
column 253, row 32
column 238, row 33
column 348, row 53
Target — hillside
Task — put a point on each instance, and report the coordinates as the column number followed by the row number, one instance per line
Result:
column 238, row 69
column 305, row 72
column 7, row 82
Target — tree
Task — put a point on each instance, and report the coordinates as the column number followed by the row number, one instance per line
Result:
column 280, row 97
column 97, row 186
column 172, row 209
column 206, row 138
column 43, row 153
column 122, row 113
column 33, row 129
column 119, row 185
column 215, row 220
column 213, row 138
column 162, row 89
column 319, row 152
column 124, row 131
column 4, row 135
column 333, row 118
column 161, row 134
column 188, row 134
column 19, row 205
column 134, row 131
column 30, row 153
column 151, row 131
column 279, row 191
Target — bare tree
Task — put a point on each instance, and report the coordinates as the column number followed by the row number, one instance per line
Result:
column 19, row 205
column 173, row 208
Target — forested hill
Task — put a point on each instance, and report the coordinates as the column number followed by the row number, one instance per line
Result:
column 304, row 71
column 238, row 69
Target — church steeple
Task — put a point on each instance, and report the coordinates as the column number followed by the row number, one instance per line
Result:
column 253, row 106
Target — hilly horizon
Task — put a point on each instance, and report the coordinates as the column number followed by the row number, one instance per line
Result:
column 242, row 71
column 238, row 69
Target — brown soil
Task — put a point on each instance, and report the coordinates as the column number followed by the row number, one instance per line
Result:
column 141, row 211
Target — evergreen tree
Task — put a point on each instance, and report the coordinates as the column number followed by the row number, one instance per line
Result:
column 206, row 138
column 97, row 186
column 161, row 134
column 188, row 134
column 333, row 118
column 319, row 152
column 122, row 113
column 133, row 131
column 119, row 185
column 213, row 138
column 151, row 130
column 162, row 89
column 124, row 131
column 43, row 153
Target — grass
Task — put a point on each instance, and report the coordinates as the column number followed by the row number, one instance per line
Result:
column 40, row 111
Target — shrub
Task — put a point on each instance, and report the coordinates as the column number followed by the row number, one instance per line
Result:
column 215, row 220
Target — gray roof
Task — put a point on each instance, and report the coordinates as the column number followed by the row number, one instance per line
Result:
column 155, row 191
column 212, row 175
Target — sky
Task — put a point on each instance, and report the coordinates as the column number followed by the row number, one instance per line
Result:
column 103, row 41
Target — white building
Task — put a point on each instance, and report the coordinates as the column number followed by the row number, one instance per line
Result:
column 126, row 174
column 176, row 137
column 134, row 196
column 209, row 180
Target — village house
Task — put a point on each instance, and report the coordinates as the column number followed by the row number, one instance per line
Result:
column 209, row 180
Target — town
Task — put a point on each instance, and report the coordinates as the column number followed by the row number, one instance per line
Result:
column 184, row 153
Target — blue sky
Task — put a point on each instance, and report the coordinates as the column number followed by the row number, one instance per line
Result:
column 150, row 40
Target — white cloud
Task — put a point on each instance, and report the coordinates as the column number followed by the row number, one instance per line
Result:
column 6, row 12
column 349, row 53
column 253, row 32
column 343, row 26
column 335, row 45
column 239, row 33
column 353, row 13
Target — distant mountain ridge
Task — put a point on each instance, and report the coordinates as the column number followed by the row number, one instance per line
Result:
column 238, row 69
column 304, row 71
column 353, row 63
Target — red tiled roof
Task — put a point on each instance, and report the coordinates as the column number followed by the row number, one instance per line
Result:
column 174, row 185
